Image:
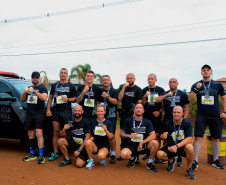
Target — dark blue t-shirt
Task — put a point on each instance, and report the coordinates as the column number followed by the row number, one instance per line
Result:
column 210, row 106
column 34, row 104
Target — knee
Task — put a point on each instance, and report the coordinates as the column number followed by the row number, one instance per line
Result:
column 79, row 164
column 61, row 141
column 101, row 156
column 88, row 142
column 154, row 143
column 161, row 154
column 189, row 148
column 124, row 154
column 56, row 133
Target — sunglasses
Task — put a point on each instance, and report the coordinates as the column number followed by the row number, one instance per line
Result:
column 35, row 77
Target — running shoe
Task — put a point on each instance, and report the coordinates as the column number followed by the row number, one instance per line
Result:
column 179, row 161
column 103, row 162
column 146, row 157
column 41, row 159
column 29, row 157
column 113, row 159
column 138, row 160
column 190, row 174
column 90, row 164
column 170, row 167
column 195, row 165
column 53, row 157
column 151, row 166
column 119, row 158
column 217, row 164
column 131, row 163
column 65, row 162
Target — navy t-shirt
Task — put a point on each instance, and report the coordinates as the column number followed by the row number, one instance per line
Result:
column 131, row 96
column 181, row 99
column 67, row 89
column 34, row 104
column 110, row 108
column 209, row 106
column 145, row 128
column 185, row 131
column 89, row 109
column 150, row 107
column 100, row 139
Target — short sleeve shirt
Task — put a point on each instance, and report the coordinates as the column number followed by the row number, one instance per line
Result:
column 209, row 106
column 34, row 104
column 58, row 90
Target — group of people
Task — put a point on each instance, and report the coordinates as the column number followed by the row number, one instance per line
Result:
column 91, row 128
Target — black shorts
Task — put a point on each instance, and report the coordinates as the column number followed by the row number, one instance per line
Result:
column 62, row 117
column 180, row 152
column 134, row 151
column 73, row 146
column 215, row 126
column 101, row 146
column 34, row 121
column 113, row 122
column 157, row 124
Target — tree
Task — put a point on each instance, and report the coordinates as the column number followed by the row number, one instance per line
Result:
column 45, row 80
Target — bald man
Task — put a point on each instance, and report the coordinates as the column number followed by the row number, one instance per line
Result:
column 129, row 95
column 178, row 133
column 79, row 131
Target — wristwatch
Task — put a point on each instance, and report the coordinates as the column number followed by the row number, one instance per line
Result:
column 107, row 97
column 34, row 91
column 68, row 99
column 79, row 150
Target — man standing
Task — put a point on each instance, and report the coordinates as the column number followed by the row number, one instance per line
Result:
column 35, row 96
column 88, row 96
column 129, row 95
column 108, row 98
column 153, row 111
column 178, row 133
column 63, row 93
column 172, row 98
column 207, row 92
column 140, row 136
column 79, row 131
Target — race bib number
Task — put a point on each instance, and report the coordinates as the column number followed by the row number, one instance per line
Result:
column 99, row 131
column 78, row 140
column 180, row 136
column 89, row 102
column 138, row 138
column 207, row 101
column 59, row 99
column 32, row 99
column 154, row 98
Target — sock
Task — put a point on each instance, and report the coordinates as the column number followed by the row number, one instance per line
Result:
column 112, row 152
column 197, row 149
column 40, row 151
column 150, row 160
column 92, row 160
column 216, row 150
column 32, row 146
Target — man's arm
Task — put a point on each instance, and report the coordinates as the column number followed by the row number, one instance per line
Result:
column 160, row 99
column 121, row 94
column 48, row 111
column 194, row 92
column 80, row 97
column 150, row 137
column 186, row 111
column 109, row 134
column 223, row 115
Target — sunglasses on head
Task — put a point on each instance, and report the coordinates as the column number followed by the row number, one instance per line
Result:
column 35, row 77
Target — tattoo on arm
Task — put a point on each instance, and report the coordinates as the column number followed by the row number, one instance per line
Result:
column 79, row 98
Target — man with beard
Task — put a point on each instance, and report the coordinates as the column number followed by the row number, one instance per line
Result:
column 79, row 131
column 35, row 96
column 108, row 98
column 141, row 138
column 129, row 95
column 63, row 93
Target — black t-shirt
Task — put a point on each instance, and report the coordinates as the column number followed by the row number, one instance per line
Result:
column 209, row 106
column 79, row 129
column 131, row 96
column 34, row 104
column 89, row 107
column 58, row 90
column 110, row 108
column 181, row 99
column 145, row 128
column 150, row 106
column 100, row 138
column 185, row 131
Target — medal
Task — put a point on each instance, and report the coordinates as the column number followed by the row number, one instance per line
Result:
column 100, row 123
column 136, row 129
column 70, row 123
column 173, row 100
column 207, row 96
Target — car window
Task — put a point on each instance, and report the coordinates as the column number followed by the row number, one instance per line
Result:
column 21, row 85
column 4, row 88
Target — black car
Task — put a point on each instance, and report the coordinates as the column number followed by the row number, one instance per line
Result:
column 13, row 111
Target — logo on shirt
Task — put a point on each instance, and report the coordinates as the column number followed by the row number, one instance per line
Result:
column 63, row 89
column 131, row 94
column 78, row 131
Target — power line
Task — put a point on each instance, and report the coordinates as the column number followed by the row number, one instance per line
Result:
column 69, row 11
column 117, row 48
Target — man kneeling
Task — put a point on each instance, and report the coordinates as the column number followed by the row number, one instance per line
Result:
column 79, row 131
column 178, row 133
column 140, row 136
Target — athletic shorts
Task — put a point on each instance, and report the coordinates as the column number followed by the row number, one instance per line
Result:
column 180, row 152
column 157, row 125
column 34, row 121
column 215, row 125
column 101, row 146
column 134, row 151
column 62, row 117
column 113, row 122
column 73, row 146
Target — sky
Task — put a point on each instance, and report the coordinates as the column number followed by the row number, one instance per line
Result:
column 147, row 36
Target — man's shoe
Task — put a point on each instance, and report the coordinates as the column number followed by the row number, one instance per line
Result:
column 138, row 160
column 170, row 167
column 131, row 163
column 157, row 161
column 146, row 157
column 119, row 158
column 103, row 162
column 190, row 174
column 151, row 166
column 90, row 164
column 195, row 165
column 113, row 159
column 108, row 155
column 163, row 161
column 29, row 157
column 179, row 161
column 53, row 157
column 217, row 164
column 41, row 159
column 65, row 162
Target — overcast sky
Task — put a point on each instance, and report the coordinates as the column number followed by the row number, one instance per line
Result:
column 132, row 23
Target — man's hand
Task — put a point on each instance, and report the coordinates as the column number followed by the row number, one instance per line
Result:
column 76, row 153
column 223, row 115
column 66, row 126
column 64, row 98
column 140, row 147
column 199, row 85
column 147, row 93
column 104, row 127
column 169, row 94
column 48, row 113
column 164, row 135
column 30, row 89
column 156, row 113
column 126, row 84
column 86, row 88
column 133, row 135
column 104, row 94
column 173, row 149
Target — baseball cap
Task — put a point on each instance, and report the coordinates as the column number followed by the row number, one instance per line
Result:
column 35, row 73
column 206, row 66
